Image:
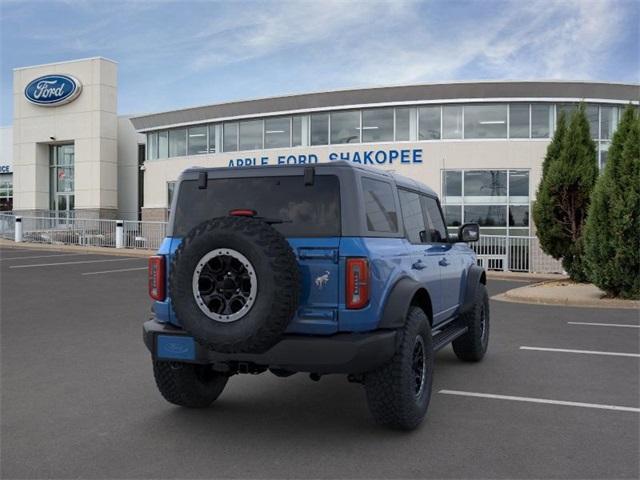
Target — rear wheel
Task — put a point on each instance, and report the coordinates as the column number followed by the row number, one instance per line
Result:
column 398, row 394
column 472, row 346
column 188, row 385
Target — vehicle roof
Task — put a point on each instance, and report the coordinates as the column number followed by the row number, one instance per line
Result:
column 400, row 180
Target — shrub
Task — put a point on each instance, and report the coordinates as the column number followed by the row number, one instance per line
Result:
column 563, row 198
column 612, row 233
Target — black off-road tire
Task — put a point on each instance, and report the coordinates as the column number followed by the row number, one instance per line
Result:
column 277, row 276
column 472, row 346
column 188, row 385
column 391, row 390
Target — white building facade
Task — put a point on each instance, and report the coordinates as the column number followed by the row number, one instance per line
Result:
column 66, row 152
column 480, row 145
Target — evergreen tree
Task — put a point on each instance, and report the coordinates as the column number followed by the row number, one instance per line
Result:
column 612, row 233
column 563, row 197
column 549, row 232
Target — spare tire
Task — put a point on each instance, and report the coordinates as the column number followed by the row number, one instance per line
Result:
column 234, row 284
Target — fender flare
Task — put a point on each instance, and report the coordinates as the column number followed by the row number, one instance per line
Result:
column 394, row 313
column 475, row 276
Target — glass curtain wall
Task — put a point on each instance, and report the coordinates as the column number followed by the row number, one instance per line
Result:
column 498, row 200
column 491, row 121
column 6, row 192
column 61, row 180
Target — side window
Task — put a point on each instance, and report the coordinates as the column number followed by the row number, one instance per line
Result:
column 380, row 207
column 412, row 216
column 437, row 231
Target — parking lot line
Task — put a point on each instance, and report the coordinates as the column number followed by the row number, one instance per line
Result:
column 541, row 400
column 590, row 352
column 42, row 256
column 605, row 324
column 77, row 263
column 115, row 271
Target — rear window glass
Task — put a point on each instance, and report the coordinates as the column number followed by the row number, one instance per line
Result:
column 380, row 207
column 306, row 210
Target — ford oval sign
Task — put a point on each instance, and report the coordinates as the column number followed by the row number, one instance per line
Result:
column 53, row 90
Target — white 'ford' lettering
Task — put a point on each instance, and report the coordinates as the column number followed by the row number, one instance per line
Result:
column 45, row 89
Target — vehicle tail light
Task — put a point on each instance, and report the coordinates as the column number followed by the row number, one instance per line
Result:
column 156, row 277
column 357, row 282
column 243, row 212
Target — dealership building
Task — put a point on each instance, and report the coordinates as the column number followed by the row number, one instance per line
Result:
column 479, row 145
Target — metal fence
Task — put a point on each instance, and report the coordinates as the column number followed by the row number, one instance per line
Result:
column 147, row 235
column 495, row 252
column 516, row 254
column 69, row 231
column 85, row 231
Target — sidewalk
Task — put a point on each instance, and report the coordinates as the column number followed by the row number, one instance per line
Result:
column 127, row 252
column 567, row 293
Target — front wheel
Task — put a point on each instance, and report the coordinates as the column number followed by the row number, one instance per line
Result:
column 472, row 346
column 188, row 385
column 398, row 394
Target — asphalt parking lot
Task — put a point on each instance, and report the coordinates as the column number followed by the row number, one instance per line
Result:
column 79, row 401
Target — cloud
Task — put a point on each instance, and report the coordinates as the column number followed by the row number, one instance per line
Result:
column 250, row 33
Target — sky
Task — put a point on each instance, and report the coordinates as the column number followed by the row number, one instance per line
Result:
column 176, row 54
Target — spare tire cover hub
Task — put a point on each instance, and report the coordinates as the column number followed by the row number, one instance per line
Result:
column 225, row 285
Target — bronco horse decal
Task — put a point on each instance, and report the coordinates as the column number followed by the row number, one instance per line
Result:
column 322, row 280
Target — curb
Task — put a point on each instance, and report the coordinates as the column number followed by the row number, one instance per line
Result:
column 512, row 296
column 525, row 277
column 125, row 252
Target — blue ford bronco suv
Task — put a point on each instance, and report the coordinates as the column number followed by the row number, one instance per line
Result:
column 324, row 268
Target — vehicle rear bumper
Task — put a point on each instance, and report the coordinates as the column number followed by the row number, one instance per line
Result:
column 339, row 353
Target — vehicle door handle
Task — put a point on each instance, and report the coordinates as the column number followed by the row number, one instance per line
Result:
column 443, row 262
column 418, row 265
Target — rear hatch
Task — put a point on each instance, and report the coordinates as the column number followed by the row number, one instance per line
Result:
column 307, row 213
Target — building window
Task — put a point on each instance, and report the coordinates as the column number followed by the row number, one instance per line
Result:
column 496, row 199
column 197, row 141
column 519, row 216
column 485, row 186
column 380, row 208
column 486, row 215
column 403, row 124
column 320, row 129
column 485, row 121
column 171, row 187
column 429, row 123
column 608, row 122
column 377, row 125
column 519, row 120
column 152, row 146
column 452, row 121
column 345, row 127
column 592, row 116
column 568, row 109
column 519, row 186
column 178, row 142
column 452, row 184
column 62, row 176
column 296, row 131
column 277, row 132
column 230, row 137
column 6, row 192
column 541, row 120
column 163, row 144
column 212, row 138
column 251, row 135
